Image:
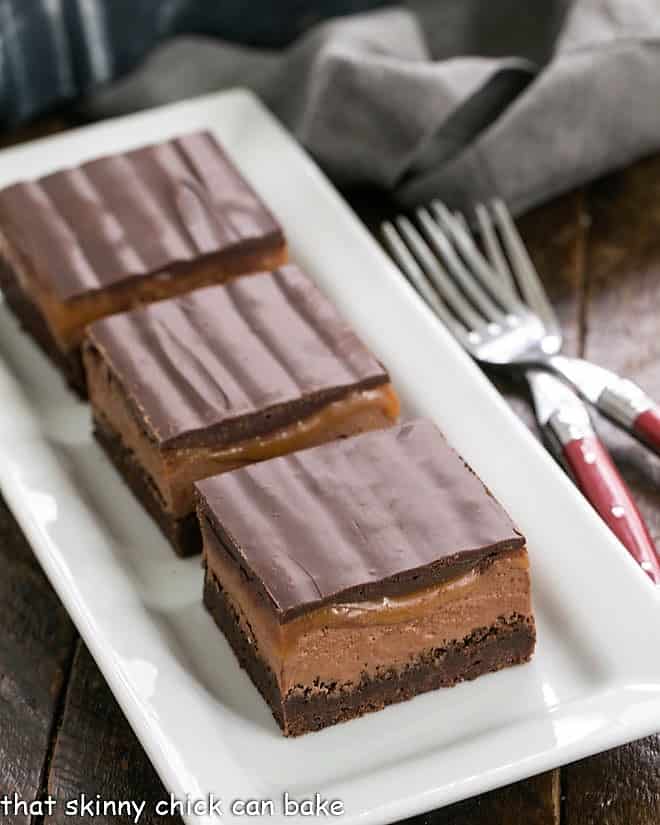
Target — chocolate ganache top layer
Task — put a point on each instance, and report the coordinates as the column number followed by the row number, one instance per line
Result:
column 228, row 362
column 384, row 513
column 133, row 214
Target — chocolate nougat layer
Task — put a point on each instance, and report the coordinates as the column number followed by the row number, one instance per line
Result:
column 126, row 229
column 224, row 377
column 317, row 705
column 362, row 572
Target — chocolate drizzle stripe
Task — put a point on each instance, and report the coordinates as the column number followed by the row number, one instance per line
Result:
column 374, row 514
column 226, row 356
column 134, row 214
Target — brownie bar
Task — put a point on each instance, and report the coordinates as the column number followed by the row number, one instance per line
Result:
column 223, row 377
column 33, row 322
column 182, row 533
column 124, row 230
column 485, row 650
column 362, row 572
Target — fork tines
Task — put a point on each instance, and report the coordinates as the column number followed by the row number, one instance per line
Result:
column 469, row 288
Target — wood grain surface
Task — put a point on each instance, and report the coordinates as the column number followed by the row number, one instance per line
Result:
column 62, row 733
column 97, row 753
column 36, row 646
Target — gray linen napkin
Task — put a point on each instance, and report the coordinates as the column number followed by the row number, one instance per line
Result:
column 460, row 99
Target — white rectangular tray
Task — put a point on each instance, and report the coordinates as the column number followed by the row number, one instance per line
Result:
column 595, row 680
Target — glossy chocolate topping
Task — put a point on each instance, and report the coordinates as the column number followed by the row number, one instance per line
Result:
column 237, row 360
column 379, row 514
column 133, row 214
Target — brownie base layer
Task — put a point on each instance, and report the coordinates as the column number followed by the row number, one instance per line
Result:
column 308, row 709
column 183, row 533
column 33, row 322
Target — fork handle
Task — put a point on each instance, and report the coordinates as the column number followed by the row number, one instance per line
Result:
column 621, row 400
column 647, row 428
column 630, row 407
column 595, row 474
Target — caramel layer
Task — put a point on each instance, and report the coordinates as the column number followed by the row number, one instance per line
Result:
column 173, row 471
column 360, row 411
column 342, row 642
column 67, row 320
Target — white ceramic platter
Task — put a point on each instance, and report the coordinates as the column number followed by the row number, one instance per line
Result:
column 595, row 680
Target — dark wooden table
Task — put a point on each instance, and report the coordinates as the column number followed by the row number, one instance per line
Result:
column 61, row 731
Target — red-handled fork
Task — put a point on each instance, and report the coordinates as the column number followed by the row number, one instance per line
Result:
column 569, row 433
column 478, row 300
column 537, row 335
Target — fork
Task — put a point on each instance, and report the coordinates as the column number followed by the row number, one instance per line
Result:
column 507, row 333
column 477, row 299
